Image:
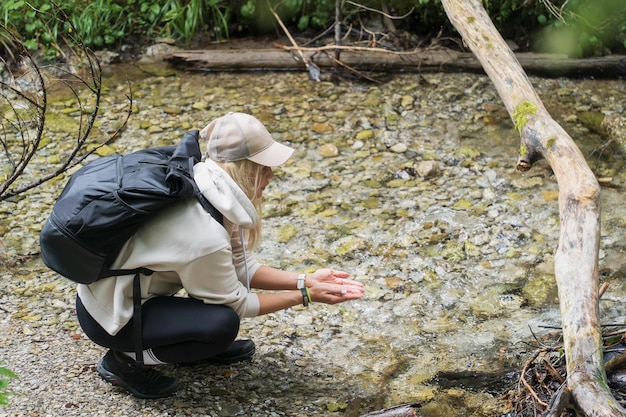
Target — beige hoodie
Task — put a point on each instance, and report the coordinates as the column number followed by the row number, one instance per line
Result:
column 187, row 249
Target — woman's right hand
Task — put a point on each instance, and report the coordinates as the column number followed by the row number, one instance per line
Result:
column 330, row 286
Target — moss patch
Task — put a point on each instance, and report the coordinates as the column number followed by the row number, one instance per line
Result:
column 522, row 114
column 592, row 120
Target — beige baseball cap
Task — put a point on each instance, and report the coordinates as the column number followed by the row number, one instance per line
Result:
column 237, row 136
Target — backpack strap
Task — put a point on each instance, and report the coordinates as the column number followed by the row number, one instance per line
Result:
column 210, row 209
column 137, row 322
column 137, row 319
column 206, row 204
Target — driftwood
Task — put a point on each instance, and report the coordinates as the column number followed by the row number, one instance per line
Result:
column 288, row 58
column 576, row 258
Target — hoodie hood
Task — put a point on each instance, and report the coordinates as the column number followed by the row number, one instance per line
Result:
column 224, row 193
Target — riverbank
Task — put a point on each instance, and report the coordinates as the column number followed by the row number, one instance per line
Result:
column 457, row 259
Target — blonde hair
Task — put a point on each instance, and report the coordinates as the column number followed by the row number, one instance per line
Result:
column 247, row 175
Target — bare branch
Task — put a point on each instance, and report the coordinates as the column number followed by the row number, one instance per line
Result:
column 20, row 144
column 27, row 147
column 369, row 9
column 314, row 71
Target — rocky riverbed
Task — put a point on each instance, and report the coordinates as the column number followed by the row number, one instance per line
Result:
column 410, row 185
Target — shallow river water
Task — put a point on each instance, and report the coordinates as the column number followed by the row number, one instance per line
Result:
column 410, row 185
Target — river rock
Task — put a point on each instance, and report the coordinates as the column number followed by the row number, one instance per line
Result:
column 615, row 125
column 328, row 150
column 399, row 148
column 427, row 169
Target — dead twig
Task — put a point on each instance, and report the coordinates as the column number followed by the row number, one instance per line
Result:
column 614, row 333
column 20, row 153
column 603, row 288
column 526, row 384
column 553, row 372
column 387, row 15
column 345, row 48
column 349, row 68
column 314, row 71
column 544, row 374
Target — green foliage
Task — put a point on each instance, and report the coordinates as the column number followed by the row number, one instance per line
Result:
column 585, row 28
column 5, row 376
column 35, row 21
column 248, row 9
column 102, row 23
column 106, row 23
column 311, row 13
column 183, row 19
column 574, row 27
column 299, row 15
column 511, row 16
column 146, row 16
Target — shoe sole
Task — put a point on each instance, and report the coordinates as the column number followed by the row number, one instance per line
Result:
column 113, row 379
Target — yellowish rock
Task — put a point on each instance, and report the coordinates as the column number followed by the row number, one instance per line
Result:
column 407, row 101
column 104, row 150
column 329, row 150
column 200, row 106
column 551, row 195
column 365, row 135
column 462, row 205
column 322, row 128
column 286, row 232
column 172, row 110
column 53, row 159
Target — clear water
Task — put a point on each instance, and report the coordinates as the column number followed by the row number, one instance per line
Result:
column 458, row 266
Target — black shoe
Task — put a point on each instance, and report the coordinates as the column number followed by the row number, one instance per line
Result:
column 141, row 381
column 239, row 351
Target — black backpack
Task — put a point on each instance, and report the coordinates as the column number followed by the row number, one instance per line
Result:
column 106, row 201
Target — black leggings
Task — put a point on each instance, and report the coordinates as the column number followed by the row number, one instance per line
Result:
column 177, row 329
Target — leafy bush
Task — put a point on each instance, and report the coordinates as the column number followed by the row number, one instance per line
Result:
column 36, row 22
column 106, row 23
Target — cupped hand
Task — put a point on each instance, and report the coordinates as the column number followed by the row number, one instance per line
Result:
column 330, row 286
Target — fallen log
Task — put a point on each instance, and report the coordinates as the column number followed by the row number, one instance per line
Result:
column 285, row 58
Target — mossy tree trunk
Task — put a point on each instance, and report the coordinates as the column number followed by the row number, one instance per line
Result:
column 576, row 259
